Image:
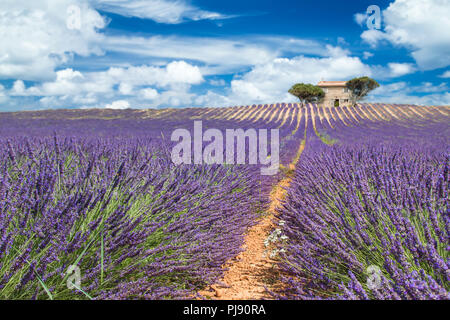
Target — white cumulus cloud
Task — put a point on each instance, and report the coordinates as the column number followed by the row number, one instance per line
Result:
column 73, row 88
column 360, row 18
column 125, row 88
column 70, row 82
column 18, row 88
column 400, row 69
column 149, row 94
column 446, row 74
column 176, row 72
column 182, row 72
column 35, row 38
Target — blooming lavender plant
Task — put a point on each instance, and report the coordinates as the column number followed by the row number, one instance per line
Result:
column 379, row 198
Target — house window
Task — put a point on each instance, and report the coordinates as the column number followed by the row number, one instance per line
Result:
column 346, row 100
column 345, row 90
column 325, row 90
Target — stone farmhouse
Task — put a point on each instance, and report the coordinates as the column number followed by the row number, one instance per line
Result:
column 336, row 93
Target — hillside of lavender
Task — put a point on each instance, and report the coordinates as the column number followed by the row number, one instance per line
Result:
column 94, row 193
column 101, row 195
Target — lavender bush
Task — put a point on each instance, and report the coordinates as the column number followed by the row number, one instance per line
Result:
column 135, row 225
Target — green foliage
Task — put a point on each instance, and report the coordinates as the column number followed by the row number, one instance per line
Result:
column 307, row 93
column 360, row 87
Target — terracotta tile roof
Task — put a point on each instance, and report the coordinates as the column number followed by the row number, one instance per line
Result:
column 332, row 83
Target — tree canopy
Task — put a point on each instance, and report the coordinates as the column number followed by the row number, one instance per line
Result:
column 360, row 87
column 307, row 93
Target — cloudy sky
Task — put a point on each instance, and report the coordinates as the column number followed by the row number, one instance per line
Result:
column 203, row 53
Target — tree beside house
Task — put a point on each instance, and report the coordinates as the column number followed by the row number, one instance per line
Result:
column 360, row 87
column 307, row 93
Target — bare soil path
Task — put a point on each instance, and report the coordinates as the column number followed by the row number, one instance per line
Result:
column 252, row 271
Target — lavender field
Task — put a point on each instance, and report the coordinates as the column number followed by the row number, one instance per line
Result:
column 376, row 198
column 97, row 190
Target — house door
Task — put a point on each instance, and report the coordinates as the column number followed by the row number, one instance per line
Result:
column 336, row 103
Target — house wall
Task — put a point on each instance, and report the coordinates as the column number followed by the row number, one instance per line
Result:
column 333, row 93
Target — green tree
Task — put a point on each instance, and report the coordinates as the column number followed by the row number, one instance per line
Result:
column 307, row 93
column 360, row 87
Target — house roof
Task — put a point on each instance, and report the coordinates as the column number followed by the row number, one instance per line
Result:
column 332, row 84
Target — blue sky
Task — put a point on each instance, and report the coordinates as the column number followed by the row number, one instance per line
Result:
column 165, row 53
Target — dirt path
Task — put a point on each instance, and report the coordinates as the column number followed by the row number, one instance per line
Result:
column 252, row 271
